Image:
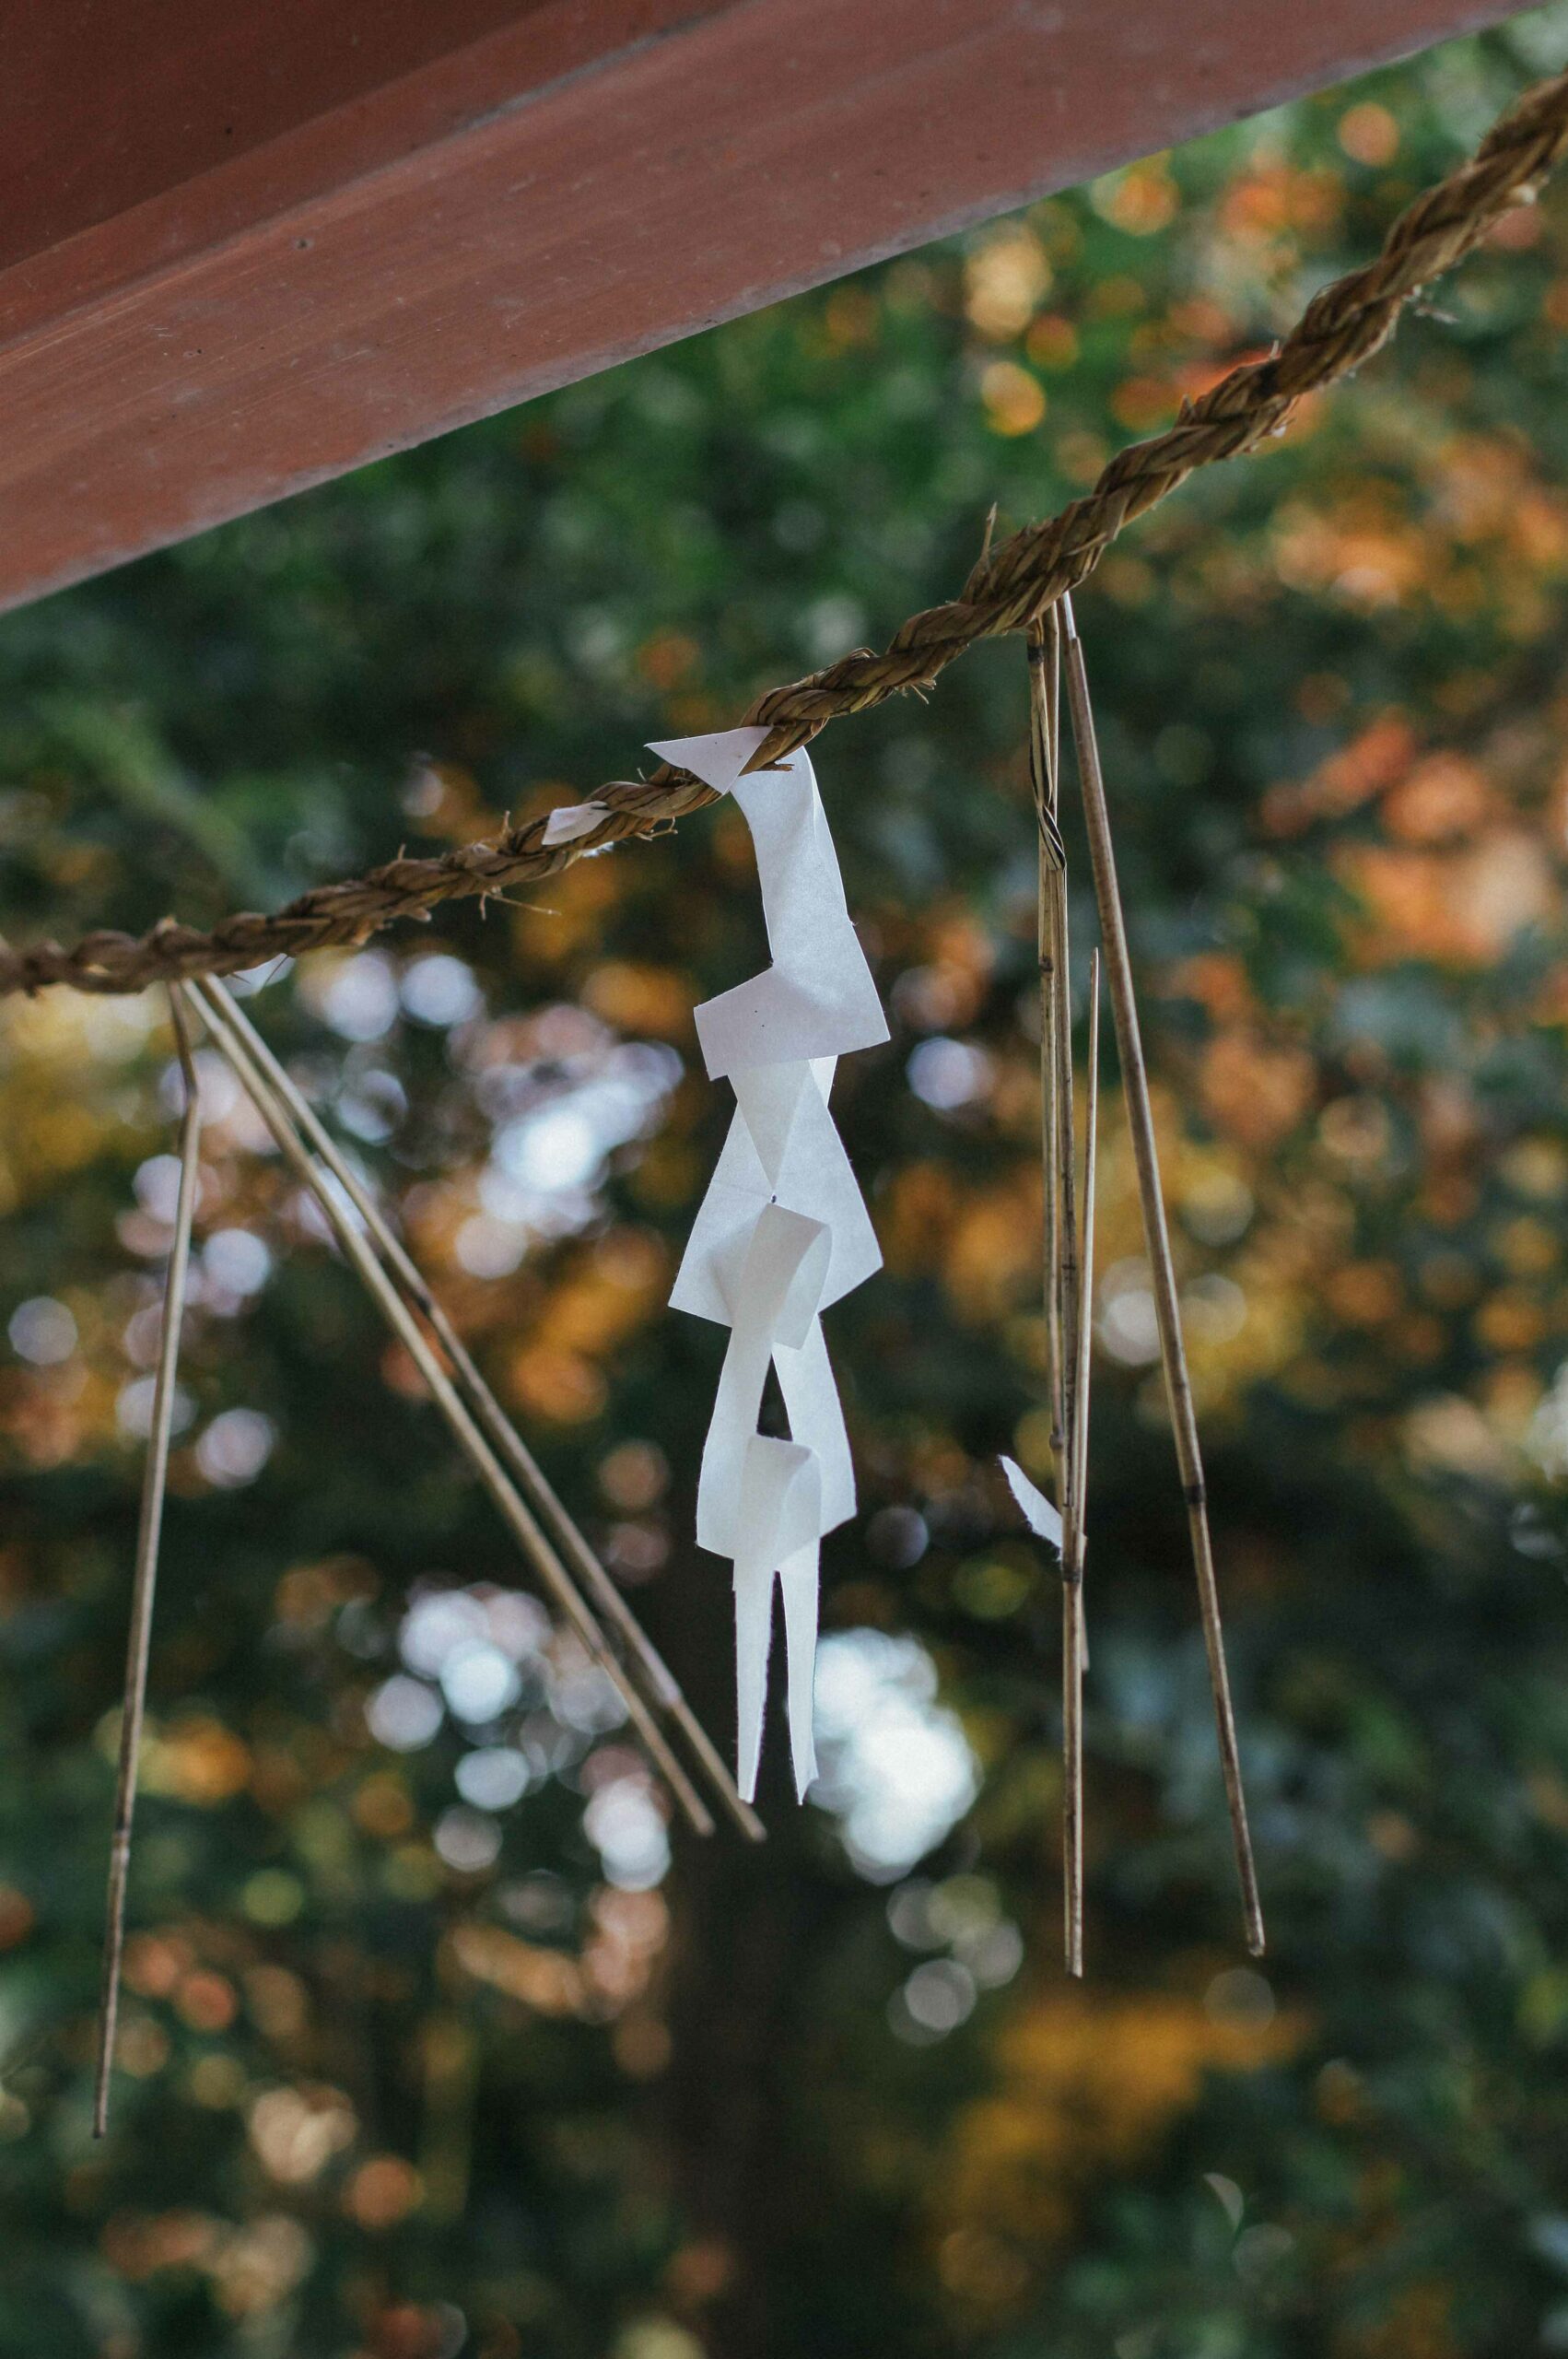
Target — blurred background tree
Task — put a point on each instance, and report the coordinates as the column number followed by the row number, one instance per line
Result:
column 437, row 2039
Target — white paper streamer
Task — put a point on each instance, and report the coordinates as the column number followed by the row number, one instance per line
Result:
column 1038, row 1513
column 1046, row 1524
column 782, row 1233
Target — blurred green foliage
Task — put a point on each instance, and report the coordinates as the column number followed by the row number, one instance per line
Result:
column 430, row 2047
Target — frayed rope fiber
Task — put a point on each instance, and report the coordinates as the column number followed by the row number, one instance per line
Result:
column 1012, row 584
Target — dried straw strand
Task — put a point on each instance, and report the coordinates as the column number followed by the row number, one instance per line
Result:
column 661, row 1686
column 1173, row 1354
column 1085, row 1330
column 1050, row 941
column 1066, row 1305
column 1064, row 1184
column 1342, row 326
column 1074, row 1652
column 144, row 1581
column 1045, row 669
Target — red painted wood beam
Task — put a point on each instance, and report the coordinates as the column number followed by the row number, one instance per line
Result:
column 244, row 249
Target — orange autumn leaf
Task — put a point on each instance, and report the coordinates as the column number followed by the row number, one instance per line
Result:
column 1455, row 909
column 1254, row 1092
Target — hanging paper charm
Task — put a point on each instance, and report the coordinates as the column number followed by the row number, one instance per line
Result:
column 782, row 1233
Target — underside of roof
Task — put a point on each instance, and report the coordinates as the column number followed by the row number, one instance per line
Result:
column 243, row 250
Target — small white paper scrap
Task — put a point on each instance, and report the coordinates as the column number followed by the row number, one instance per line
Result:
column 782, row 1233
column 572, row 820
column 1038, row 1513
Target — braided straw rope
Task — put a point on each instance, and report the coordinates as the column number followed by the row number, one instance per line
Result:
column 1012, row 584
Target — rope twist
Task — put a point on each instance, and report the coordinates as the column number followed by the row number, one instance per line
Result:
column 1342, row 326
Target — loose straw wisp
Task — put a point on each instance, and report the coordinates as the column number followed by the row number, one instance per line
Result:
column 1066, row 1305
column 1074, row 1533
column 144, row 1581
column 661, row 1686
column 523, row 1524
column 1044, row 690
column 1173, row 1350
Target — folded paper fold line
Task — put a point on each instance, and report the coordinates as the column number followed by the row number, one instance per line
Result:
column 775, row 1301
column 780, row 1526
column 818, row 999
column 782, row 1148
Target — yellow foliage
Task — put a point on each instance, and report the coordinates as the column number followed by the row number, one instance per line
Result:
column 198, row 1760
column 1459, row 907
column 915, row 1219
column 1253, row 1090
column 993, row 1247
column 1141, row 200
column 1416, row 2326
column 1052, row 342
column 1005, row 277
column 1088, row 2081
column 1369, row 134
column 654, row 1001
column 558, row 1385
column 1015, row 401
column 1444, row 796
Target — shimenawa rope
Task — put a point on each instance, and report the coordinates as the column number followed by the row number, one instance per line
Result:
column 1341, row 327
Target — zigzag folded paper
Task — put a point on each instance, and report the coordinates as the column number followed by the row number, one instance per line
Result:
column 782, row 1233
